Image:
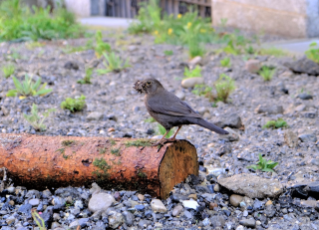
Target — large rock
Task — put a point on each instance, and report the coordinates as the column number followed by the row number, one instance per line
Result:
column 304, row 65
column 100, row 201
column 252, row 186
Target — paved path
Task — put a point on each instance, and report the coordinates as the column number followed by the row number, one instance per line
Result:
column 294, row 46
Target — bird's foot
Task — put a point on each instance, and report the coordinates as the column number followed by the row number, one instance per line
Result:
column 162, row 142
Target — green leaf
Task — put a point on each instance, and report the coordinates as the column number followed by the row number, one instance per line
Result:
column 17, row 84
column 43, row 92
column 12, row 93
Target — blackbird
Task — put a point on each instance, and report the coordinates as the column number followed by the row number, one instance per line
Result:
column 169, row 110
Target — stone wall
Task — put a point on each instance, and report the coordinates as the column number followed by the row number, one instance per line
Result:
column 292, row 18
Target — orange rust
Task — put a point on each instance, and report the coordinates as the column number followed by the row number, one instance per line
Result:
column 45, row 161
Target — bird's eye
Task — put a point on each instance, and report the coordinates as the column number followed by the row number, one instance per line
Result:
column 148, row 83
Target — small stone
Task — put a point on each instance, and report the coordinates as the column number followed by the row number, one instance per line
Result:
column 269, row 202
column 240, row 227
column 248, row 222
column 177, row 210
column 206, row 222
column 11, row 202
column 305, row 96
column 129, row 218
column 191, row 82
column 111, row 130
column 139, row 207
column 235, row 199
column 100, row 201
column 11, row 189
column 193, row 196
column 252, row 66
column 217, row 188
column 141, row 197
column 217, row 221
column 212, row 205
column 291, row 138
column 46, row 193
column 158, row 206
column 119, row 99
column 190, row 204
column 195, row 61
column 270, row 109
column 10, row 220
column 308, row 137
column 34, row 202
column 78, row 204
column 180, row 95
column 94, row 116
column 71, row 65
column 286, row 74
column 56, row 216
column 115, row 219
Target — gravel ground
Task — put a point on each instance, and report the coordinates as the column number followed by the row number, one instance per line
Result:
column 114, row 109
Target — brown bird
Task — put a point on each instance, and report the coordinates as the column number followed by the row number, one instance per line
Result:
column 169, row 110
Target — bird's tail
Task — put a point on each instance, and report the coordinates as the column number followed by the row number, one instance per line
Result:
column 210, row 126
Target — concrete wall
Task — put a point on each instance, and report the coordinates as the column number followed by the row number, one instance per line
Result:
column 293, row 18
column 81, row 8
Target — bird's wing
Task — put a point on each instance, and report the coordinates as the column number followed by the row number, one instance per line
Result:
column 170, row 105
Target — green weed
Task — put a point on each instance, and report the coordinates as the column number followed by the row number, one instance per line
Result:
column 313, row 52
column 101, row 46
column 8, row 70
column 264, row 165
column 276, row 124
column 68, row 143
column 150, row 120
column 115, row 152
column 87, row 77
column 224, row 86
column 102, row 165
column 203, row 90
column 161, row 131
column 19, row 23
column 225, row 62
column 28, row 88
column 138, row 143
column 272, row 51
column 35, row 119
column 168, row 52
column 267, row 72
column 197, row 72
column 113, row 63
column 74, row 104
column 38, row 219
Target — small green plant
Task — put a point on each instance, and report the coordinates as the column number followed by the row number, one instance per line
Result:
column 74, row 104
column 28, row 88
column 72, row 49
column 168, row 52
column 101, row 46
column 38, row 219
column 276, row 124
column 113, row 63
column 250, row 50
column 224, row 86
column 225, row 62
column 313, row 52
column 115, row 152
column 102, row 165
column 68, row 143
column 150, row 120
column 138, row 143
column 87, row 77
column 195, row 47
column 267, row 72
column 197, row 72
column 161, row 131
column 264, row 165
column 102, row 150
column 20, row 23
column 203, row 90
column 8, row 70
column 35, row 119
column 272, row 51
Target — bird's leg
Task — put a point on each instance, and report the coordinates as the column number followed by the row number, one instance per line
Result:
column 174, row 137
column 163, row 140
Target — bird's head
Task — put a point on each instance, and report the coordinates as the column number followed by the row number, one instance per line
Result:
column 148, row 86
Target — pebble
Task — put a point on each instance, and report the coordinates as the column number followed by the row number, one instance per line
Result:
column 212, row 205
column 240, row 227
column 308, row 137
column 158, row 206
column 217, row 188
column 305, row 96
column 115, row 219
column 180, row 95
column 270, row 109
column 235, row 199
column 100, row 201
column 291, row 138
column 252, row 66
column 177, row 210
column 34, row 202
column 269, row 202
column 94, row 116
column 248, row 222
column 141, row 197
column 190, row 204
column 191, row 82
